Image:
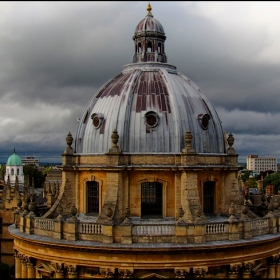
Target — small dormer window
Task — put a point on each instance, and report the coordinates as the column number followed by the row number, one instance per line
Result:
column 97, row 120
column 204, row 120
column 151, row 119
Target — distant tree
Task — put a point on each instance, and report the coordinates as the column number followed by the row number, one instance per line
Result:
column 245, row 176
column 272, row 179
column 251, row 183
column 32, row 173
column 4, row 271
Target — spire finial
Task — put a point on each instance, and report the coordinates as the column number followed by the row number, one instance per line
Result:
column 149, row 8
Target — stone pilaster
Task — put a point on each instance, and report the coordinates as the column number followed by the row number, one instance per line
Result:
column 190, row 198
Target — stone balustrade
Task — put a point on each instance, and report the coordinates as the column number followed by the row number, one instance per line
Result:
column 203, row 232
column 216, row 228
column 44, row 224
column 90, row 228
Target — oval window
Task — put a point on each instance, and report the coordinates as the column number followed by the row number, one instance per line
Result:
column 204, row 120
column 151, row 119
column 97, row 120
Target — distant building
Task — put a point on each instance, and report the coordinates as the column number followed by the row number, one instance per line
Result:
column 258, row 164
column 14, row 169
column 31, row 160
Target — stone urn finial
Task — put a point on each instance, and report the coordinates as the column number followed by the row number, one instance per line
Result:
column 115, row 139
column 231, row 212
column 74, row 212
column 69, row 141
column 109, row 213
column 230, row 141
column 188, row 139
column 126, row 214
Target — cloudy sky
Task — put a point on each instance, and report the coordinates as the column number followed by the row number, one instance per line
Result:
column 55, row 55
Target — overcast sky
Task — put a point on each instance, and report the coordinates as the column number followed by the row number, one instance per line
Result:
column 55, row 55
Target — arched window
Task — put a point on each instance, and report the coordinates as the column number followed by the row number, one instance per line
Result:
column 139, row 48
column 92, row 197
column 149, row 47
column 151, row 199
column 159, row 48
column 12, row 171
column 208, row 197
column 18, row 171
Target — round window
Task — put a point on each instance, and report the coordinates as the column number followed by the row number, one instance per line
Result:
column 151, row 119
column 97, row 120
column 204, row 120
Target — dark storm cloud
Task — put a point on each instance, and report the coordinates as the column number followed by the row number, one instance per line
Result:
column 55, row 55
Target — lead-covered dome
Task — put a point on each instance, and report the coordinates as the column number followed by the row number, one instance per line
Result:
column 149, row 24
column 151, row 105
column 14, row 159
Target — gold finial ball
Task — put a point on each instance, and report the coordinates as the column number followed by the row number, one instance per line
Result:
column 149, row 8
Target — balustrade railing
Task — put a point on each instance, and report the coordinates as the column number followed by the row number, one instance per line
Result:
column 216, row 228
column 259, row 224
column 150, row 230
column 90, row 228
column 45, row 224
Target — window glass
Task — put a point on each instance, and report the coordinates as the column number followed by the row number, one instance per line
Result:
column 151, row 199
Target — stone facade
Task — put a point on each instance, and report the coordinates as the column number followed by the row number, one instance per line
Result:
column 175, row 212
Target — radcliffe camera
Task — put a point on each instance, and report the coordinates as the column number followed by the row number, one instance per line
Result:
column 148, row 182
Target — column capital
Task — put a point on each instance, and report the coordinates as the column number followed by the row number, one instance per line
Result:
column 107, row 272
column 126, row 272
column 72, row 270
column 199, row 271
column 180, row 272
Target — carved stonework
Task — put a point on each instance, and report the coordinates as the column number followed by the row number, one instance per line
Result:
column 181, row 272
column 199, row 272
column 107, row 272
column 247, row 267
column 126, row 273
column 72, row 271
column 59, row 269
column 234, row 269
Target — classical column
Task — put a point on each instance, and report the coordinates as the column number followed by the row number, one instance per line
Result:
column 277, row 268
column 180, row 272
column 72, row 271
column 199, row 272
column 107, row 272
column 59, row 270
column 272, row 267
column 247, row 270
column 234, row 270
column 126, row 273
column 17, row 265
column 30, row 269
column 23, row 267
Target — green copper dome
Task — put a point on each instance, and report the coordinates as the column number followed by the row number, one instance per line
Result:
column 14, row 159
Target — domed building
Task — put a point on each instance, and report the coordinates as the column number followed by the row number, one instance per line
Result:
column 149, row 187
column 14, row 170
